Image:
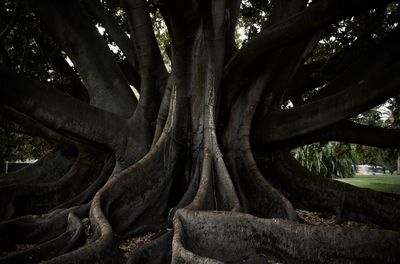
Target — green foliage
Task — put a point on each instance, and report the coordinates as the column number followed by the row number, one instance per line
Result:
column 16, row 146
column 253, row 14
column 161, row 33
column 19, row 50
column 386, row 115
column 358, row 32
column 332, row 160
column 386, row 158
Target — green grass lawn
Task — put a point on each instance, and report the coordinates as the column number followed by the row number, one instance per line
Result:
column 382, row 183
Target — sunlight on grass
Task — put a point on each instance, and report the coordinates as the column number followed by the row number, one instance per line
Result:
column 382, row 183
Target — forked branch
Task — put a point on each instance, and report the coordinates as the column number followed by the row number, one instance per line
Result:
column 62, row 113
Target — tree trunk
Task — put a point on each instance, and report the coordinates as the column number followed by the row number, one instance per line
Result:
column 202, row 159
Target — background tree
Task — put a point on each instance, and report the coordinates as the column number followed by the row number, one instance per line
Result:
column 203, row 155
column 17, row 146
column 386, row 115
column 332, row 159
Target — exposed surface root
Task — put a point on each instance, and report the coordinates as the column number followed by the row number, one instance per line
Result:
column 238, row 235
column 317, row 193
column 136, row 196
column 72, row 238
column 40, row 197
column 54, row 164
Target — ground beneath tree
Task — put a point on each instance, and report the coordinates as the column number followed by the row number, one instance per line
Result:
column 129, row 245
column 317, row 218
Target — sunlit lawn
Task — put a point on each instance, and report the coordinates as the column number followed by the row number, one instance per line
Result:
column 383, row 183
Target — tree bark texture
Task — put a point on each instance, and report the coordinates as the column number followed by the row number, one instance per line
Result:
column 203, row 155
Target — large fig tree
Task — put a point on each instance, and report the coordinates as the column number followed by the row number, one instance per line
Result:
column 202, row 157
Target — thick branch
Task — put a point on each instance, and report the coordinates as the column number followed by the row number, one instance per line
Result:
column 63, row 113
column 13, row 21
column 318, row 73
column 71, row 80
column 122, row 40
column 311, row 19
column 149, row 55
column 34, row 128
column 131, row 74
column 232, row 13
column 353, row 133
column 76, row 34
column 283, row 125
column 283, row 9
column 182, row 19
column 152, row 72
column 304, row 80
column 376, row 58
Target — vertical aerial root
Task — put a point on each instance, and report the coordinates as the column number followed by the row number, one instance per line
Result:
column 192, row 187
column 219, row 237
column 68, row 240
column 225, row 193
column 139, row 194
column 264, row 199
column 215, row 190
column 204, row 198
column 318, row 193
column 257, row 195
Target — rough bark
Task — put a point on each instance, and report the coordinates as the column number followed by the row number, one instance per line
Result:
column 202, row 158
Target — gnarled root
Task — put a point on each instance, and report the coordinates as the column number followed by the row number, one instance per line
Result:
column 39, row 197
column 317, row 193
column 70, row 239
column 238, row 237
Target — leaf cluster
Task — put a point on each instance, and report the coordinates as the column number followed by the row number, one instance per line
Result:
column 332, row 159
